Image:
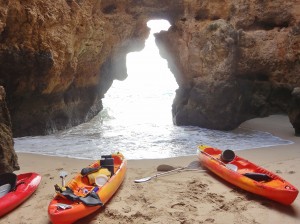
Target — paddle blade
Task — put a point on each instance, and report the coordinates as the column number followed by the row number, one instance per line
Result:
column 63, row 174
column 165, row 168
column 142, row 180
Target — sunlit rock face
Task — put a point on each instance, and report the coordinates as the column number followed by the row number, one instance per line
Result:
column 58, row 58
column 233, row 60
column 8, row 157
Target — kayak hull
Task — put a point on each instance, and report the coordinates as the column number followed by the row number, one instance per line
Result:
column 26, row 185
column 274, row 187
column 77, row 209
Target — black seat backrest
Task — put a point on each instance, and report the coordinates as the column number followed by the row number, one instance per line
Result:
column 108, row 163
column 8, row 178
column 106, row 156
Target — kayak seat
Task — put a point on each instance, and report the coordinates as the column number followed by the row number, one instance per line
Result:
column 106, row 156
column 258, row 176
column 7, row 183
column 108, row 163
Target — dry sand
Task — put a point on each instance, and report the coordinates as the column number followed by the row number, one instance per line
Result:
column 185, row 197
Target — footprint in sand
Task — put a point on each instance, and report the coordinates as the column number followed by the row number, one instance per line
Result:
column 209, row 220
column 184, row 207
column 126, row 209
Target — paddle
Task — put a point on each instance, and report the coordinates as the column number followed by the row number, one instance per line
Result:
column 228, row 165
column 63, row 174
column 189, row 167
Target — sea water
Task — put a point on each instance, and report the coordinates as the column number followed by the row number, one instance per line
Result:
column 106, row 134
column 137, row 121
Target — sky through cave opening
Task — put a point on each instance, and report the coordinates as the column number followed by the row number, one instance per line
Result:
column 146, row 95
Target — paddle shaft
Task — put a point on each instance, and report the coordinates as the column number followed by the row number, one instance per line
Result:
column 160, row 174
column 164, row 173
column 210, row 156
column 157, row 175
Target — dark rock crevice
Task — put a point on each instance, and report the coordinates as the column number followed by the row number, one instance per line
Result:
column 294, row 110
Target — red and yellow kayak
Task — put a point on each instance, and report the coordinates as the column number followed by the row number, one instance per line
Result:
column 247, row 175
column 89, row 190
column 25, row 185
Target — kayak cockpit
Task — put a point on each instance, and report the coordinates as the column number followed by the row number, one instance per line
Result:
column 8, row 183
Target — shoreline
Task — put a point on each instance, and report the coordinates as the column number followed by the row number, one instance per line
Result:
column 183, row 197
column 158, row 143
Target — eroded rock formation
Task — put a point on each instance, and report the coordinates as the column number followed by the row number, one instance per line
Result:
column 59, row 58
column 8, row 157
column 233, row 60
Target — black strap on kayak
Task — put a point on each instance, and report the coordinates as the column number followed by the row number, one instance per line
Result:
column 67, row 193
column 88, row 170
column 106, row 156
column 91, row 199
column 258, row 176
column 108, row 162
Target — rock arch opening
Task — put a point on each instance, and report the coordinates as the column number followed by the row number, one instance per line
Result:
column 147, row 93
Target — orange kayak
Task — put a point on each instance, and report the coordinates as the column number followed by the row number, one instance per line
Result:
column 247, row 175
column 89, row 190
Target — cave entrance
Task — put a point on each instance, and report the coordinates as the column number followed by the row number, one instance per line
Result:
column 146, row 95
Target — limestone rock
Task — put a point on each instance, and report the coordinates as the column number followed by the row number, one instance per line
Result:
column 233, row 60
column 8, row 157
column 58, row 58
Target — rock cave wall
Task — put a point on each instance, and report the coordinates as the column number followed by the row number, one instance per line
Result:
column 8, row 157
column 233, row 60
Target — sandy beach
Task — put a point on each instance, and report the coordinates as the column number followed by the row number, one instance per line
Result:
column 185, row 197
